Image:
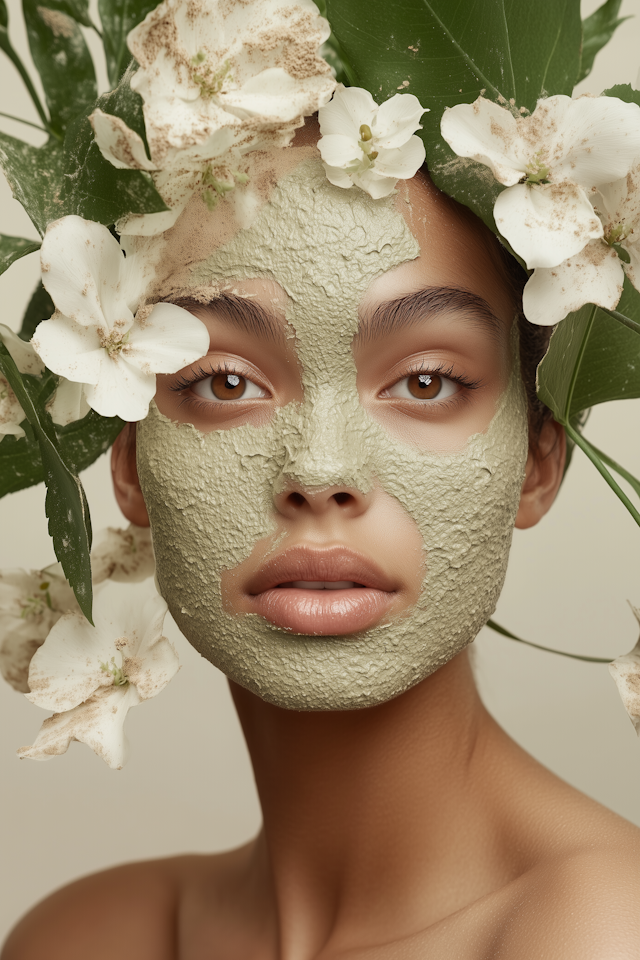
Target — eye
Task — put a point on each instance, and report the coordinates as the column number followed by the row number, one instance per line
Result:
column 423, row 386
column 227, row 386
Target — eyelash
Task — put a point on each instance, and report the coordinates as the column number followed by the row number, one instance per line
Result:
column 441, row 370
column 184, row 382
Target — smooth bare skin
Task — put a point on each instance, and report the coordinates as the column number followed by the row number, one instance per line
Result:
column 412, row 829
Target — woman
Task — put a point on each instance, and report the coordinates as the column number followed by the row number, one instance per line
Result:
column 331, row 491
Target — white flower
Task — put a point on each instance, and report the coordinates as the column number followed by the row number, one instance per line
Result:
column 368, row 145
column 550, row 163
column 94, row 338
column 125, row 556
column 92, row 676
column 217, row 79
column 626, row 673
column 65, row 406
column 596, row 273
column 30, row 604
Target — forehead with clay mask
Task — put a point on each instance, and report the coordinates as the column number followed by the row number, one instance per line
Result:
column 332, row 489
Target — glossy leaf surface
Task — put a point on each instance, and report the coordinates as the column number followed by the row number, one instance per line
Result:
column 34, row 175
column 65, row 502
column 63, row 61
column 447, row 53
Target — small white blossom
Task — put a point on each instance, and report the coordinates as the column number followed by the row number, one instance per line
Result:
column 550, row 162
column 92, row 676
column 95, row 337
column 370, row 146
column 125, row 556
column 30, row 604
column 626, row 673
column 596, row 273
column 217, row 80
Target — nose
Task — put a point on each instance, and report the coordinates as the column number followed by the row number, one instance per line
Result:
column 297, row 502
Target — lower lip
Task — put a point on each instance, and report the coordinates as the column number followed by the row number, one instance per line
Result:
column 323, row 612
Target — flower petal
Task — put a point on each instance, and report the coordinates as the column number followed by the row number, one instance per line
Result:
column 123, row 390
column 396, row 120
column 338, row 177
column 594, row 275
column 402, row 163
column 487, row 133
column 118, row 144
column 347, row 111
column 22, row 352
column 546, row 223
column 374, row 184
column 595, row 139
column 168, row 339
column 81, row 264
column 98, row 722
column 124, row 556
column 68, row 404
column 338, row 151
column 69, row 349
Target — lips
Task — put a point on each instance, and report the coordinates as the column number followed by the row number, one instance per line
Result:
column 321, row 592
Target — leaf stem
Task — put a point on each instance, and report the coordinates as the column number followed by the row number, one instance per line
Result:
column 562, row 653
column 586, row 448
column 18, row 64
column 36, row 126
column 625, row 474
column 620, row 317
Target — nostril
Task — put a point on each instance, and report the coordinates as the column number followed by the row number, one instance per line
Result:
column 296, row 499
column 341, row 498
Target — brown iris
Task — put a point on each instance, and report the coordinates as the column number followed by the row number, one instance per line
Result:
column 228, row 386
column 424, row 386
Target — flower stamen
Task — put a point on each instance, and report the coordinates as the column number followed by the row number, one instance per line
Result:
column 120, row 678
column 537, row 171
column 209, row 80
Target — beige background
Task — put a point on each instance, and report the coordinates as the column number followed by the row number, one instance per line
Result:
column 188, row 785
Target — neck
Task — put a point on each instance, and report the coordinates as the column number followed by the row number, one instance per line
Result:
column 371, row 814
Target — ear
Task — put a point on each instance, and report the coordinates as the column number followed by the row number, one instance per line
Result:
column 125, row 477
column 543, row 475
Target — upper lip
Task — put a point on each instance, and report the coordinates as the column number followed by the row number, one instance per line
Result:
column 328, row 563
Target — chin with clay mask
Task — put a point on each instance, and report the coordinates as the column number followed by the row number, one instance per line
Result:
column 210, row 496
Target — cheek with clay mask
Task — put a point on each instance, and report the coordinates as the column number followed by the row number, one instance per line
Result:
column 211, row 496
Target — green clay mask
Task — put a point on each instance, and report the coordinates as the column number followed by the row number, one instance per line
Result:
column 210, row 496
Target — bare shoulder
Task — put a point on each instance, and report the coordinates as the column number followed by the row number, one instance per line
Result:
column 585, row 906
column 129, row 912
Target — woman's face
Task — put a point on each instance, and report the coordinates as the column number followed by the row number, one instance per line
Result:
column 332, row 489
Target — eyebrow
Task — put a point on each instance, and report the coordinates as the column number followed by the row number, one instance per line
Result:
column 243, row 313
column 395, row 315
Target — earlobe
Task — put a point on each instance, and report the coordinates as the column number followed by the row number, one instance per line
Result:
column 125, row 477
column 544, row 471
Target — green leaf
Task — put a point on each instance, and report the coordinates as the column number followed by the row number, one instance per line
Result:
column 40, row 308
column 597, row 30
column 77, row 9
column 118, row 17
column 80, row 444
column 13, row 248
column 623, row 91
column 447, row 53
column 65, row 503
column 591, row 359
column 92, row 187
column 7, row 47
column 63, row 61
column 34, row 175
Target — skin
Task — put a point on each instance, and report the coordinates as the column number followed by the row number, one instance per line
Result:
column 415, row 828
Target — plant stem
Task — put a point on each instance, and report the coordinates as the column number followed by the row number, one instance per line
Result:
column 562, row 653
column 586, row 447
column 610, row 462
column 35, row 126
column 17, row 62
column 620, row 317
